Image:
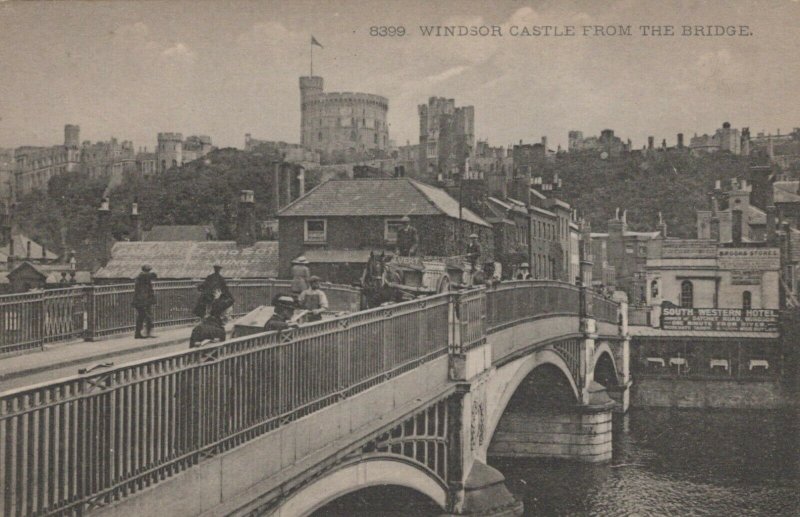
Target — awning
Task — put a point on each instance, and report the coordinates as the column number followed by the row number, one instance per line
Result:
column 643, row 331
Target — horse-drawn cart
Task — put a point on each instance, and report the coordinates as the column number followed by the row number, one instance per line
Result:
column 429, row 275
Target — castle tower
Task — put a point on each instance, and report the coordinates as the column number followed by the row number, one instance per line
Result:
column 72, row 136
column 310, row 86
column 169, row 152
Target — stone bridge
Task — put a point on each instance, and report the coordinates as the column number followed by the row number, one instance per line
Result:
column 416, row 394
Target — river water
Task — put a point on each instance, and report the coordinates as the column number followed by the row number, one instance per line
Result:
column 666, row 462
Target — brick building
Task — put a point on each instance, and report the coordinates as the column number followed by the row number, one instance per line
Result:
column 336, row 224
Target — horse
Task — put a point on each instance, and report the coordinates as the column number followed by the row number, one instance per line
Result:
column 378, row 282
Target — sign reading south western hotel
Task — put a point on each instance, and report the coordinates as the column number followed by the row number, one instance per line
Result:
column 731, row 320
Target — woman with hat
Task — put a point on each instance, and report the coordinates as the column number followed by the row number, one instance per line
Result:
column 300, row 276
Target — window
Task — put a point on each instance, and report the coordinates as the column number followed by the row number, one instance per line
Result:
column 747, row 300
column 390, row 230
column 315, row 230
column 687, row 295
column 654, row 289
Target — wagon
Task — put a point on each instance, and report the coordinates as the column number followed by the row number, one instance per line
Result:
column 430, row 275
column 253, row 322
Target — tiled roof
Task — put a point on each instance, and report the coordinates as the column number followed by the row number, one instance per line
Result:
column 377, row 197
column 178, row 232
column 638, row 330
column 192, row 259
column 21, row 249
column 785, row 191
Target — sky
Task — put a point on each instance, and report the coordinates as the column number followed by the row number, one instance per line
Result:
column 131, row 69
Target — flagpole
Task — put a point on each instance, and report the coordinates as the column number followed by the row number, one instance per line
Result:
column 312, row 58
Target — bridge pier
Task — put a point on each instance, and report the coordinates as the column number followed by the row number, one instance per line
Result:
column 580, row 433
column 475, row 488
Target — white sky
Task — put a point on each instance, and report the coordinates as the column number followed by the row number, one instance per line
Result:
column 132, row 69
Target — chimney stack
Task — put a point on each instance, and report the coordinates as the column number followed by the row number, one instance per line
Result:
column 736, row 229
column 246, row 226
column 103, row 253
column 136, row 221
column 680, row 140
column 544, row 143
column 28, row 250
column 650, row 140
column 662, row 226
column 771, row 228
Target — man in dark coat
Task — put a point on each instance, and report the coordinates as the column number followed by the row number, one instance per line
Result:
column 473, row 251
column 213, row 326
column 407, row 239
column 143, row 300
column 214, row 281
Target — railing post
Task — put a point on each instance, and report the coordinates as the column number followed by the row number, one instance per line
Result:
column 89, row 320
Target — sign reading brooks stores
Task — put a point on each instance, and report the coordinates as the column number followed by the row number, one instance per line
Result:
column 732, row 320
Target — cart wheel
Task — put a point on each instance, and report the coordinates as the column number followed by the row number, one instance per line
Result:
column 444, row 284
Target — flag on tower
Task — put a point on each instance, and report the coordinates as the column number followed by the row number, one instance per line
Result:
column 315, row 42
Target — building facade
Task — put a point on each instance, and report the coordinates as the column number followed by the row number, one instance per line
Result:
column 34, row 166
column 341, row 121
column 605, row 143
column 724, row 139
column 337, row 224
column 446, row 138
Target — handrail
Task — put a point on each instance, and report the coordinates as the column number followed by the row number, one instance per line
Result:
column 29, row 320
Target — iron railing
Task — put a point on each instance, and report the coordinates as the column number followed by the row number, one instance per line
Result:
column 30, row 320
column 511, row 303
column 71, row 445
column 605, row 309
column 638, row 315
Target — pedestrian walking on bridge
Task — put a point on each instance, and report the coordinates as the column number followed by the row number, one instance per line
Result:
column 144, row 297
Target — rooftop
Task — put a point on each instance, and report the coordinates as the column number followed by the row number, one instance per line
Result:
column 182, row 259
column 179, row 233
column 383, row 197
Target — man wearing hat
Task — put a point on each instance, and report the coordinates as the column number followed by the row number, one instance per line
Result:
column 407, row 239
column 313, row 299
column 473, row 250
column 213, row 282
column 300, row 276
column 524, row 272
column 143, row 300
column 284, row 310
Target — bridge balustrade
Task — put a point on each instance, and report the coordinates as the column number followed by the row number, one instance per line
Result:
column 604, row 309
column 29, row 320
column 84, row 441
column 511, row 303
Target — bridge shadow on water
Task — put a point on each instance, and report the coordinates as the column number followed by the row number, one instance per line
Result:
column 383, row 501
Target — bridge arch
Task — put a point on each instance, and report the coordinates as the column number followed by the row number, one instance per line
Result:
column 604, row 366
column 522, row 370
column 372, row 470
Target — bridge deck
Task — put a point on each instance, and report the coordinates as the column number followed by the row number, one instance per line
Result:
column 65, row 359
